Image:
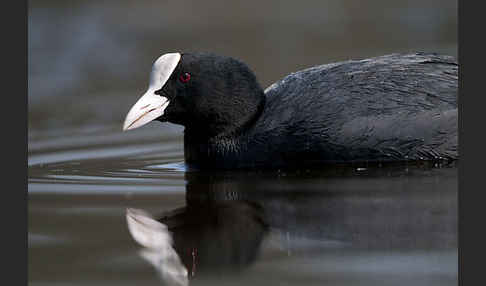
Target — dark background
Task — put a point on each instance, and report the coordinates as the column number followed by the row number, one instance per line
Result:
column 89, row 61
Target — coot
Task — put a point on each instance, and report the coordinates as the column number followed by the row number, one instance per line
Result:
column 398, row 107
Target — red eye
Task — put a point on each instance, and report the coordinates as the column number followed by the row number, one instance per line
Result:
column 185, row 77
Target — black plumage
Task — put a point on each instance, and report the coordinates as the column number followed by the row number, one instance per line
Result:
column 399, row 107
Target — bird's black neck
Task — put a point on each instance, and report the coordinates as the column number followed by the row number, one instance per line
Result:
column 223, row 149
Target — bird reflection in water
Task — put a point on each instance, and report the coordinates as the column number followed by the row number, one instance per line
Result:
column 229, row 215
column 216, row 231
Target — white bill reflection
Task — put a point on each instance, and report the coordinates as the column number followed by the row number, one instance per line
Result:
column 158, row 246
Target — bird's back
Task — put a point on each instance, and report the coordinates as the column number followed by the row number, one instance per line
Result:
column 395, row 107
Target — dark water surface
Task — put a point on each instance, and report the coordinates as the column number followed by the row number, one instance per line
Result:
column 362, row 225
column 89, row 61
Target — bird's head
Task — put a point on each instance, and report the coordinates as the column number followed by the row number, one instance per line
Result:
column 206, row 93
